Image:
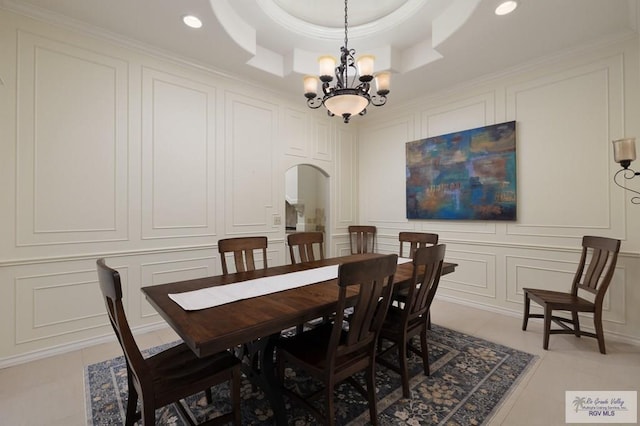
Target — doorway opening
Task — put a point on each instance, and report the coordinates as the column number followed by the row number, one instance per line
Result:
column 306, row 199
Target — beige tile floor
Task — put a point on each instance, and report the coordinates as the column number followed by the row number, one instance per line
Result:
column 51, row 391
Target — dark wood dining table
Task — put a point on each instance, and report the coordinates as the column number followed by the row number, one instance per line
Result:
column 257, row 319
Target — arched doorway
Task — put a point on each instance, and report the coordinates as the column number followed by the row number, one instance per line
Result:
column 306, row 199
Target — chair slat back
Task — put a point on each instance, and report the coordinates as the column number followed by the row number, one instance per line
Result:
column 362, row 238
column 372, row 281
column 416, row 240
column 111, row 288
column 303, row 243
column 427, row 269
column 243, row 252
column 603, row 256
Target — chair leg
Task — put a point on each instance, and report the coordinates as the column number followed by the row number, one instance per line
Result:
column 597, row 322
column 429, row 320
column 330, row 416
column 132, row 402
column 525, row 319
column 148, row 414
column 280, row 368
column 371, row 393
column 404, row 371
column 425, row 352
column 547, row 326
column 236, row 377
column 576, row 323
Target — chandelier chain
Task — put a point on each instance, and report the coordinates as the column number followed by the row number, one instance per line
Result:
column 346, row 24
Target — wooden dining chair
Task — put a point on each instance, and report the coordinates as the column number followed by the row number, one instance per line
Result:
column 603, row 255
column 243, row 249
column 304, row 243
column 415, row 240
column 170, row 375
column 331, row 354
column 362, row 239
column 243, row 252
column 307, row 245
column 409, row 320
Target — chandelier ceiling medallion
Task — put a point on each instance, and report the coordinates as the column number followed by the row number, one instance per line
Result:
column 349, row 95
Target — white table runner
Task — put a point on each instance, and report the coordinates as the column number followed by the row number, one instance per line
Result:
column 222, row 294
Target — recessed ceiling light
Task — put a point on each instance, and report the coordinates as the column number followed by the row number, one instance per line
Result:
column 192, row 21
column 506, row 7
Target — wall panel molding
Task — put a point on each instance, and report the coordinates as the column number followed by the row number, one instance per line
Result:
column 345, row 184
column 295, row 132
column 382, row 165
column 47, row 304
column 178, row 156
column 322, row 140
column 71, row 183
column 458, row 115
column 594, row 94
column 252, row 197
column 474, row 276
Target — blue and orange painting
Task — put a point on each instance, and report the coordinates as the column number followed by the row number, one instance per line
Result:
column 467, row 175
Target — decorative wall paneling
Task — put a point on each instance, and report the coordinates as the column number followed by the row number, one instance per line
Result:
column 295, row 131
column 71, row 144
column 41, row 312
column 144, row 160
column 567, row 112
column 49, row 305
column 583, row 110
column 466, row 113
column 382, row 174
column 322, row 149
column 251, row 150
column 178, row 164
column 345, row 184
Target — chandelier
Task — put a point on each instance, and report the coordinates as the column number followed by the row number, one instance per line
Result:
column 349, row 95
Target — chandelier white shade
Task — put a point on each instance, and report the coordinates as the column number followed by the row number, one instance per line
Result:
column 326, row 65
column 349, row 95
column 365, row 64
column 345, row 104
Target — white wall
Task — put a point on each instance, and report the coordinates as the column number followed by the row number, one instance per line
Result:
column 110, row 151
column 567, row 111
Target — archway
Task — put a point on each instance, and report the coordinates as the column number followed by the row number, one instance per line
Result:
column 306, row 199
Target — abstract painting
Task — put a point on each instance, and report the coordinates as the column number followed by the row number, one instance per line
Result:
column 467, row 175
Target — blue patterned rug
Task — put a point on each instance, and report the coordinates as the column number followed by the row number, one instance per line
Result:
column 469, row 379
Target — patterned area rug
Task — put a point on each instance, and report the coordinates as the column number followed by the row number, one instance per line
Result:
column 469, row 379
